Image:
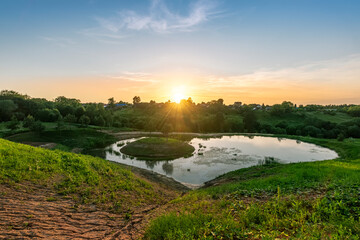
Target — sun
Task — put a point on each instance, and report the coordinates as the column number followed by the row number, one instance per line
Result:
column 178, row 93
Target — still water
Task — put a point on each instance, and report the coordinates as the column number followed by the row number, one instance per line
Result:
column 216, row 156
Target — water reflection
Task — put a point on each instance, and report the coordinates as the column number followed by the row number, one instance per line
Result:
column 168, row 168
column 215, row 156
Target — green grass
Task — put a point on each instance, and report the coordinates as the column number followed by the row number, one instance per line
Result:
column 338, row 117
column 86, row 138
column 295, row 119
column 157, row 148
column 313, row 200
column 86, row 179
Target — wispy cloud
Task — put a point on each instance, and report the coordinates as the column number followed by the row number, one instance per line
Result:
column 160, row 18
column 326, row 81
column 134, row 77
column 102, row 35
column 59, row 41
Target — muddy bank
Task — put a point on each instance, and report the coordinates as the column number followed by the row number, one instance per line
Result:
column 134, row 134
column 162, row 180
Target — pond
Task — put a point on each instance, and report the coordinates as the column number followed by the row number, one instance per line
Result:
column 215, row 156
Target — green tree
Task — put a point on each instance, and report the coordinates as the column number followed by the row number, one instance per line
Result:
column 28, row 121
column 13, row 124
column 84, row 120
column 7, row 108
column 37, row 127
column 354, row 111
column 136, row 100
column 70, row 118
column 166, row 129
column 250, row 120
column 111, row 104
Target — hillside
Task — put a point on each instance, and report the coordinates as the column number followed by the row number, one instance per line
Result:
column 47, row 193
column 313, row 200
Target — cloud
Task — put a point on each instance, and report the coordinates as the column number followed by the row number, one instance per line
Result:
column 62, row 42
column 134, row 77
column 329, row 81
column 102, row 35
column 160, row 18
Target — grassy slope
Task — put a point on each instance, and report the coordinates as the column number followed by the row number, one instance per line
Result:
column 293, row 119
column 86, row 138
column 155, row 148
column 302, row 201
column 84, row 178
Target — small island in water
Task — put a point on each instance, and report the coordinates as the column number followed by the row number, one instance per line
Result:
column 158, row 148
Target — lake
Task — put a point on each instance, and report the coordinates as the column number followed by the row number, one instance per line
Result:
column 216, row 156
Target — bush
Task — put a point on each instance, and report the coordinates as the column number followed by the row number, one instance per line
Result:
column 70, row 118
column 84, row 120
column 28, row 121
column 37, row 127
column 13, row 124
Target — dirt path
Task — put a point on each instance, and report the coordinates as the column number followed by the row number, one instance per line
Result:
column 29, row 211
column 34, row 212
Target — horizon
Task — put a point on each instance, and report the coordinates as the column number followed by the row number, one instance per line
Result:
column 257, row 51
column 175, row 100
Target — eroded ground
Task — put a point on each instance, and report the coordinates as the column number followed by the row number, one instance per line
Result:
column 29, row 211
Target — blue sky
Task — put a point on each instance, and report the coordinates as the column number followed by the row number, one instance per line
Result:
column 245, row 50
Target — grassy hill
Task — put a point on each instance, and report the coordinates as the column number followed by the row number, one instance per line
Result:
column 84, row 178
column 313, row 200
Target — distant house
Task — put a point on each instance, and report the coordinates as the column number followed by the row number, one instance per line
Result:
column 236, row 105
column 121, row 105
column 118, row 105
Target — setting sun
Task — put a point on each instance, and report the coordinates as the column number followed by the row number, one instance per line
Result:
column 178, row 94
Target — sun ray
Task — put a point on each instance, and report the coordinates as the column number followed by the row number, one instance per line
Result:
column 178, row 93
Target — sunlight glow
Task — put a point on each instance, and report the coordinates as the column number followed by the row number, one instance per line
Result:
column 178, row 93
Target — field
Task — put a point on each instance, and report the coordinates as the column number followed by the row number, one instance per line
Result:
column 298, row 201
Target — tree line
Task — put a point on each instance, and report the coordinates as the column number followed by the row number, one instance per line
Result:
column 212, row 116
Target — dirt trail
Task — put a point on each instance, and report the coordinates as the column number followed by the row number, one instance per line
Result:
column 29, row 211
column 34, row 212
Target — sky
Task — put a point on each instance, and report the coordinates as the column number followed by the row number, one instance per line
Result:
column 253, row 51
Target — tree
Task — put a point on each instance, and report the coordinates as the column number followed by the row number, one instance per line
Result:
column 13, row 124
column 7, row 107
column 48, row 115
column 70, row 118
column 111, row 103
column 219, row 121
column 136, row 100
column 99, row 121
column 354, row 111
column 166, row 129
column 37, row 127
column 84, row 120
column 250, row 120
column 28, row 121
column 79, row 112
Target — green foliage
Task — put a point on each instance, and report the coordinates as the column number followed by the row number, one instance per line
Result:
column 250, row 121
column 7, row 108
column 313, row 200
column 37, row 127
column 155, row 148
column 354, row 111
column 70, row 118
column 48, row 115
column 13, row 124
column 75, row 138
column 87, row 179
column 28, row 121
column 136, row 100
column 84, row 120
